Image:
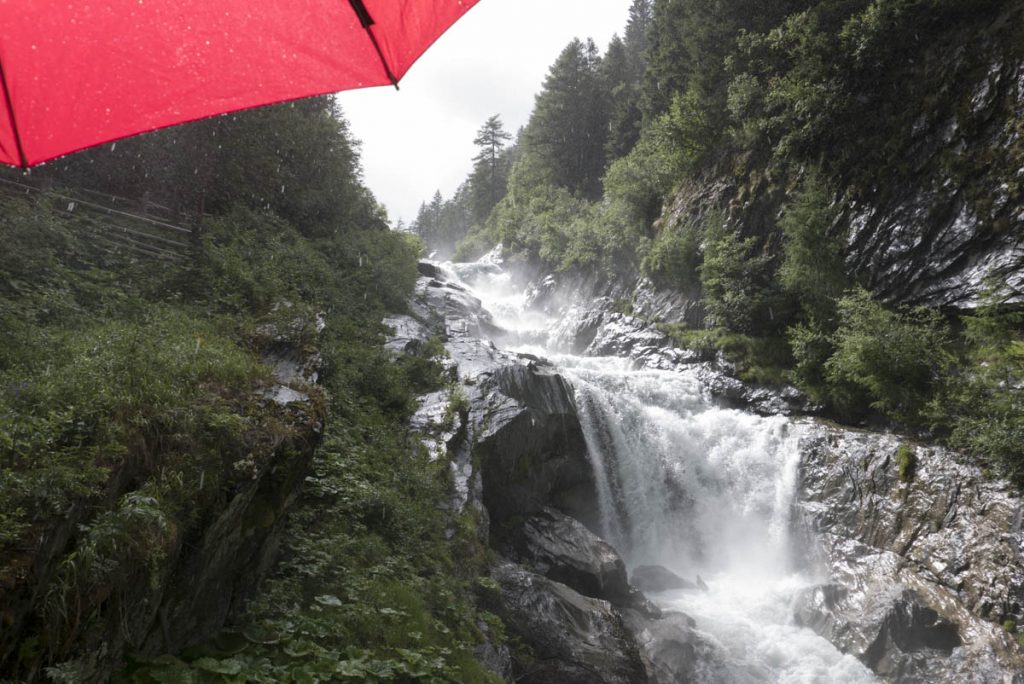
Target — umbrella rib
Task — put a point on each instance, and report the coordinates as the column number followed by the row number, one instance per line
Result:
column 367, row 21
column 10, row 116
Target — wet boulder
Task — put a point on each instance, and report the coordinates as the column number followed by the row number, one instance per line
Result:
column 562, row 549
column 924, row 570
column 530, row 444
column 671, row 650
column 573, row 639
column 892, row 631
column 658, row 578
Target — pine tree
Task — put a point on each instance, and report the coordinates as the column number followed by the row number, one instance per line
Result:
column 668, row 60
column 490, row 168
column 623, row 109
column 641, row 14
column 569, row 124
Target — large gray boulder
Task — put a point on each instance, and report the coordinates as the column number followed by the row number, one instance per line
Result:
column 671, row 650
column 893, row 632
column 562, row 549
column 658, row 578
column 573, row 638
column 529, row 443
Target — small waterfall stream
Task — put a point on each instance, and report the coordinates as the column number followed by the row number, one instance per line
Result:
column 693, row 487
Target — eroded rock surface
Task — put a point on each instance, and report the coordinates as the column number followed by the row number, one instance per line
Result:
column 574, row 638
column 563, row 549
column 922, row 573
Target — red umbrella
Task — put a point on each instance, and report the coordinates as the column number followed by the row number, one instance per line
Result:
column 77, row 73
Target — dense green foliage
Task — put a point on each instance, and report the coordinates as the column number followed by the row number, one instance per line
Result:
column 985, row 398
column 894, row 357
column 133, row 412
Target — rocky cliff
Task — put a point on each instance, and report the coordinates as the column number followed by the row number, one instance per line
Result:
column 924, row 558
column 942, row 223
column 921, row 557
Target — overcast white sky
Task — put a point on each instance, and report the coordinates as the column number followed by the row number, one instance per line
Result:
column 493, row 61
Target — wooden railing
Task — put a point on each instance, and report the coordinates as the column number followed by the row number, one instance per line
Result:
column 118, row 225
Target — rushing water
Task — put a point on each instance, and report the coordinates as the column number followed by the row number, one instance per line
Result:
column 696, row 488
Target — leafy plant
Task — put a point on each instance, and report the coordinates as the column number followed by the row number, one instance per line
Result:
column 906, row 462
column 897, row 357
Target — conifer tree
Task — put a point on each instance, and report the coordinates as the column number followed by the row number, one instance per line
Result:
column 569, row 124
column 490, row 168
column 641, row 13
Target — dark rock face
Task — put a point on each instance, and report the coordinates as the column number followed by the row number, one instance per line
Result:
column 521, row 425
column 530, row 444
column 658, row 578
column 562, row 549
column 573, row 638
column 944, row 238
column 897, row 636
column 923, row 573
column 496, row 658
column 763, row 400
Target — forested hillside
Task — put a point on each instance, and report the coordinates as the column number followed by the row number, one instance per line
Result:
column 835, row 184
column 185, row 417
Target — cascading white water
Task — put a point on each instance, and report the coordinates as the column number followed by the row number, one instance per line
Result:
column 696, row 488
column 705, row 491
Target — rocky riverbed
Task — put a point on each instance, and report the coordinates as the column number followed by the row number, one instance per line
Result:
column 913, row 577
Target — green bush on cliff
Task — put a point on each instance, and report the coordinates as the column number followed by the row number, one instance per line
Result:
column 898, row 358
column 812, row 268
column 738, row 280
column 674, row 257
column 906, row 463
column 983, row 403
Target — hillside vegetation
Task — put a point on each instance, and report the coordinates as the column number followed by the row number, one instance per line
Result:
column 148, row 481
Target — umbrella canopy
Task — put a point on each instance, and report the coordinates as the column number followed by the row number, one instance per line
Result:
column 78, row 73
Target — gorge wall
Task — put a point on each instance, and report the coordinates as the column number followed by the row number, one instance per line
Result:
column 918, row 572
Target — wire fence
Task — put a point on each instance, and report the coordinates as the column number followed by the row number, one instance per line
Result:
column 116, row 225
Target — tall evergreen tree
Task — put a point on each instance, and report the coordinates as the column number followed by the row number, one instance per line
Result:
column 641, row 14
column 490, row 168
column 668, row 59
column 569, row 124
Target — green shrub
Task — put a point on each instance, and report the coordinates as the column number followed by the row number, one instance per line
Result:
column 906, row 462
column 812, row 268
column 477, row 242
column 898, row 358
column 982, row 408
column 700, row 340
column 97, row 399
column 757, row 359
column 811, row 344
column 738, row 279
column 647, row 175
column 673, row 259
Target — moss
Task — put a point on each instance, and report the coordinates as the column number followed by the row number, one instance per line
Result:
column 906, row 462
column 458, row 406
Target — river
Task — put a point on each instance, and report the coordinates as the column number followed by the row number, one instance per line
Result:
column 686, row 484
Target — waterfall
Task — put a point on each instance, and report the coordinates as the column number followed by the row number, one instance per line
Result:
column 696, row 488
column 682, row 483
